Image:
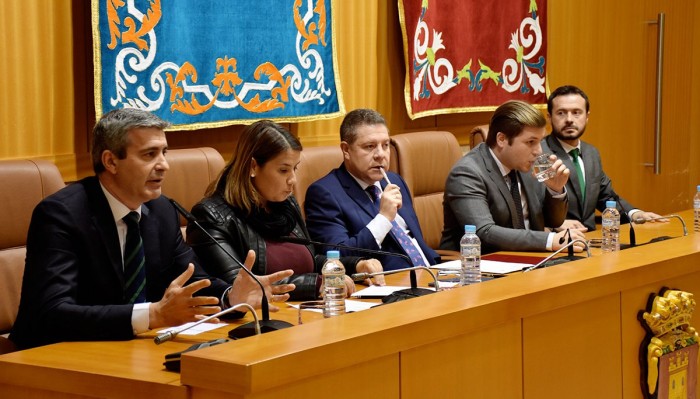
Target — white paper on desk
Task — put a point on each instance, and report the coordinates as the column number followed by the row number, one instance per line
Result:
column 204, row 327
column 487, row 266
column 350, row 306
column 377, row 291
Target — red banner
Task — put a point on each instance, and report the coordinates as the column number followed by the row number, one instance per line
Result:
column 471, row 55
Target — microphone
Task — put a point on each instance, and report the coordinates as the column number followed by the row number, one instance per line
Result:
column 168, row 335
column 410, row 292
column 567, row 236
column 633, row 236
column 569, row 245
column 642, row 221
column 248, row 329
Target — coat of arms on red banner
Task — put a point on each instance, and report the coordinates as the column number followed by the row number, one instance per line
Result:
column 469, row 55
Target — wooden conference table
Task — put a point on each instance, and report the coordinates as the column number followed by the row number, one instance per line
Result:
column 569, row 330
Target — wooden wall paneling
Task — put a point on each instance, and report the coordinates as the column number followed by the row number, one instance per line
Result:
column 556, row 345
column 463, row 366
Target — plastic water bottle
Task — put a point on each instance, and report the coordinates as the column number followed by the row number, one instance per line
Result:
column 611, row 227
column 470, row 253
column 696, row 207
column 333, row 285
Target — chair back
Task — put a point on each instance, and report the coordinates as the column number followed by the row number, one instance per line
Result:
column 191, row 171
column 315, row 163
column 478, row 135
column 24, row 184
column 424, row 159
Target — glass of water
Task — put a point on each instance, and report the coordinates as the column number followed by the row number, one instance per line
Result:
column 543, row 168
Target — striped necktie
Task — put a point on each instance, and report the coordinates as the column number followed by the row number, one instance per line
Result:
column 581, row 181
column 134, row 261
column 515, row 193
column 399, row 233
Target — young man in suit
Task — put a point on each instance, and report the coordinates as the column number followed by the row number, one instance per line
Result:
column 493, row 188
column 588, row 187
column 354, row 205
column 105, row 255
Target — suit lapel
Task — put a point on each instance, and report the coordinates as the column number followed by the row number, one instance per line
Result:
column 592, row 169
column 355, row 192
column 495, row 174
column 572, row 184
column 103, row 223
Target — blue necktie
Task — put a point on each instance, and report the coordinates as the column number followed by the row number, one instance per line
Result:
column 134, row 261
column 399, row 233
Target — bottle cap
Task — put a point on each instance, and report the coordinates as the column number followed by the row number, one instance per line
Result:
column 469, row 228
column 610, row 204
column 333, row 254
column 699, row 188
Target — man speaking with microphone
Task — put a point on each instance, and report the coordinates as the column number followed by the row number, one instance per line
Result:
column 359, row 204
column 105, row 255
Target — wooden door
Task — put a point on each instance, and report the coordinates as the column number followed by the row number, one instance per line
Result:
column 609, row 49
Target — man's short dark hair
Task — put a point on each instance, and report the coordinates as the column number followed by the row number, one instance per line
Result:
column 511, row 118
column 357, row 118
column 563, row 91
column 111, row 132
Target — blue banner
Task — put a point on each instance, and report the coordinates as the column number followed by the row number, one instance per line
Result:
column 208, row 63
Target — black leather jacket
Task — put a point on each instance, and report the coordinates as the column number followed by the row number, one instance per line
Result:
column 237, row 237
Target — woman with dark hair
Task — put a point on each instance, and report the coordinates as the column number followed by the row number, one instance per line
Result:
column 250, row 206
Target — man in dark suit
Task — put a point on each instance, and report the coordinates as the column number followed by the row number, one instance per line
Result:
column 478, row 188
column 341, row 209
column 105, row 255
column 568, row 110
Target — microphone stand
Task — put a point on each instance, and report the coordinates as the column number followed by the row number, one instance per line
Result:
column 642, row 221
column 248, row 329
column 570, row 244
column 168, row 335
column 633, row 236
column 413, row 291
column 405, row 293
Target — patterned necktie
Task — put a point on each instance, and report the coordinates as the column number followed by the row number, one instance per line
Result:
column 515, row 192
column 134, row 261
column 398, row 232
column 581, row 181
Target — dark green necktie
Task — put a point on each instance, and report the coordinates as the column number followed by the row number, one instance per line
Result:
column 134, row 261
column 579, row 171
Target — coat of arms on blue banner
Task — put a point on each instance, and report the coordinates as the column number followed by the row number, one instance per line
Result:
column 209, row 63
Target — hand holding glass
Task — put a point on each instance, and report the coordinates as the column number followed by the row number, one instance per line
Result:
column 543, row 168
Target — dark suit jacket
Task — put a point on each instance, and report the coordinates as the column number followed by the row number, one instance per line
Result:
column 73, row 278
column 476, row 193
column 598, row 186
column 338, row 211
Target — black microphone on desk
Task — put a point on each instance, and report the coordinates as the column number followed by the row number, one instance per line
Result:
column 633, row 237
column 400, row 294
column 168, row 335
column 569, row 245
column 248, row 329
column 567, row 237
column 414, row 291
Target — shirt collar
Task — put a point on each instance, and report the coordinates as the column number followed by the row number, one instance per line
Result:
column 567, row 148
column 501, row 167
column 118, row 209
column 365, row 185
